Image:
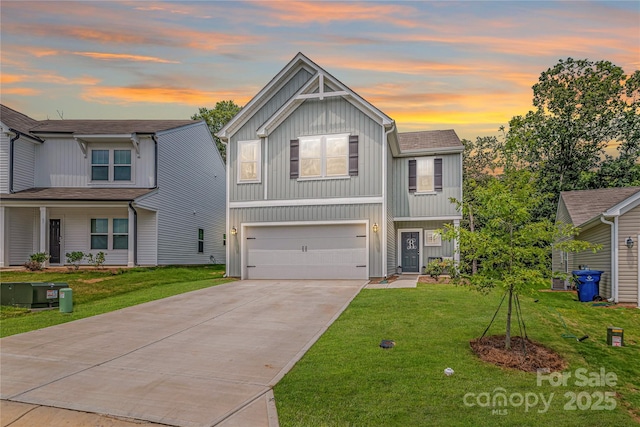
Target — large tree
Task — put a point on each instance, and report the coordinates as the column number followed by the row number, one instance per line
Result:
column 581, row 108
column 216, row 118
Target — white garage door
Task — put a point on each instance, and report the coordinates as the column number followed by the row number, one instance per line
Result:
column 307, row 252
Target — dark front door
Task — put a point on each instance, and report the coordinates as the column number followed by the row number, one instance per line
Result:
column 410, row 242
column 54, row 241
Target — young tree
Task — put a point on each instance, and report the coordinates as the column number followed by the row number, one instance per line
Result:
column 512, row 248
column 216, row 118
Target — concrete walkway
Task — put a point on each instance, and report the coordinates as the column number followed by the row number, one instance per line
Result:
column 403, row 281
column 205, row 358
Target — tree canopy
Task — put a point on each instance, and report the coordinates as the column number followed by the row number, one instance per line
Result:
column 216, row 118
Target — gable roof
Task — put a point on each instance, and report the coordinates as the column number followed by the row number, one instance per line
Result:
column 17, row 121
column 319, row 80
column 585, row 205
column 431, row 140
column 108, row 127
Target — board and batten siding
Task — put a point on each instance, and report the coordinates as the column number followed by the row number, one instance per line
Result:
column 628, row 226
column 61, row 163
column 23, row 164
column 75, row 226
column 190, row 195
column 307, row 214
column 23, row 226
column 4, row 161
column 313, row 117
column 416, row 205
column 601, row 260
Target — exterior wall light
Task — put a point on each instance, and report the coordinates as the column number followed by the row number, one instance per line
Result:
column 629, row 242
column 375, row 227
column 234, row 230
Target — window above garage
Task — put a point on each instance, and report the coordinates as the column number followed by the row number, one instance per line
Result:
column 324, row 156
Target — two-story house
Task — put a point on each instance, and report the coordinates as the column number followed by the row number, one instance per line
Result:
column 144, row 192
column 321, row 185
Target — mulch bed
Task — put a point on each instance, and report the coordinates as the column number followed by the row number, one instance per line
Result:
column 532, row 357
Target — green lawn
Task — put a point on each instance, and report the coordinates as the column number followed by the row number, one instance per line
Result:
column 347, row 380
column 101, row 291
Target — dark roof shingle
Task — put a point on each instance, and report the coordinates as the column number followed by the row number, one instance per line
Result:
column 78, row 194
column 108, row 127
column 428, row 140
column 584, row 205
column 16, row 120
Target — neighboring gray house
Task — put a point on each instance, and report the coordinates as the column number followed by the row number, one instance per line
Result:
column 611, row 218
column 145, row 192
column 321, row 184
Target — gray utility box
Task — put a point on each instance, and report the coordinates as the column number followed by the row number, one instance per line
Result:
column 31, row 294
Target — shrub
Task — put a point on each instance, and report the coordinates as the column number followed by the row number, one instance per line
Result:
column 97, row 260
column 437, row 267
column 36, row 261
column 75, row 258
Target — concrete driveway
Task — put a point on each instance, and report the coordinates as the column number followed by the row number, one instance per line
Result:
column 203, row 358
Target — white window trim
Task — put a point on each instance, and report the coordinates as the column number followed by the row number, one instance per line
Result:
column 109, row 233
column 258, row 161
column 426, row 238
column 111, row 166
column 323, row 157
column 433, row 175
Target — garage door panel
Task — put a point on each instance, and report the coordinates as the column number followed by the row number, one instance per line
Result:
column 307, row 252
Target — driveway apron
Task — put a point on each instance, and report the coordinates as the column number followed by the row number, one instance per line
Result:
column 195, row 359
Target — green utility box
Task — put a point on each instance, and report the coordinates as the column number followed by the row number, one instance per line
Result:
column 31, row 294
column 66, row 300
column 615, row 336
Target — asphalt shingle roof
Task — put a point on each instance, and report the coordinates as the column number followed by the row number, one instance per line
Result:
column 78, row 194
column 430, row 139
column 16, row 120
column 584, row 205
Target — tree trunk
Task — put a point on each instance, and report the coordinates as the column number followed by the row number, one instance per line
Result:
column 507, row 339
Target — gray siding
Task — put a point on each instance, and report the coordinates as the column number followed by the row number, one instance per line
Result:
column 314, row 117
column 190, row 195
column 147, row 237
column 601, row 260
column 60, row 163
column 446, row 250
column 23, row 234
column 628, row 226
column 23, row 165
column 372, row 212
column 4, row 162
column 414, row 205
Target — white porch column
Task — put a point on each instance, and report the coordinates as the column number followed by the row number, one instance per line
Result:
column 130, row 251
column 456, row 244
column 3, row 237
column 44, row 229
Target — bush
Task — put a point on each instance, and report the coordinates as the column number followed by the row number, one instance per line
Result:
column 96, row 261
column 36, row 261
column 75, row 258
column 437, row 267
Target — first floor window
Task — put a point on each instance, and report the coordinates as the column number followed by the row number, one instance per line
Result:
column 200, row 240
column 432, row 238
column 120, row 233
column 249, row 161
column 99, row 233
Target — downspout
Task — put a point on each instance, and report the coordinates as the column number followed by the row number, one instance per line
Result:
column 135, row 233
column 155, row 159
column 614, row 255
column 11, row 158
column 383, row 228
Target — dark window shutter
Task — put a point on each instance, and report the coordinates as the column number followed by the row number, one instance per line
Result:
column 413, row 176
column 353, row 155
column 437, row 174
column 294, row 161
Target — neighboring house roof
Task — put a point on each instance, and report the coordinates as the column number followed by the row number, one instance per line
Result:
column 584, row 205
column 428, row 140
column 108, row 127
column 17, row 121
column 79, row 194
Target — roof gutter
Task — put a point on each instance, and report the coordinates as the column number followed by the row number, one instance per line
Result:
column 614, row 255
column 155, row 160
column 383, row 224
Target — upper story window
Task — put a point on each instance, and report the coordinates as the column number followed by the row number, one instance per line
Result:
column 425, row 175
column 324, row 156
column 110, row 165
column 249, row 160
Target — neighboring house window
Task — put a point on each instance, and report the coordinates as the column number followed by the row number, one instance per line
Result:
column 111, row 165
column 99, row 165
column 323, row 156
column 99, row 233
column 120, row 233
column 425, row 175
column 432, row 238
column 200, row 240
column 249, row 161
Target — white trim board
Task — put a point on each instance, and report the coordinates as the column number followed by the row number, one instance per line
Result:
column 306, row 202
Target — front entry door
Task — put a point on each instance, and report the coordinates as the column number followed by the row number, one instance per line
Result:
column 54, row 241
column 410, row 251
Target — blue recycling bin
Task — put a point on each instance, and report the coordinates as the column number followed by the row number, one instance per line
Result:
column 588, row 284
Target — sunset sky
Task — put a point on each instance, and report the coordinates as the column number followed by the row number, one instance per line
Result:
column 468, row 66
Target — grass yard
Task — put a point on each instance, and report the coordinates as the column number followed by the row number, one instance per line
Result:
column 347, row 380
column 100, row 291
